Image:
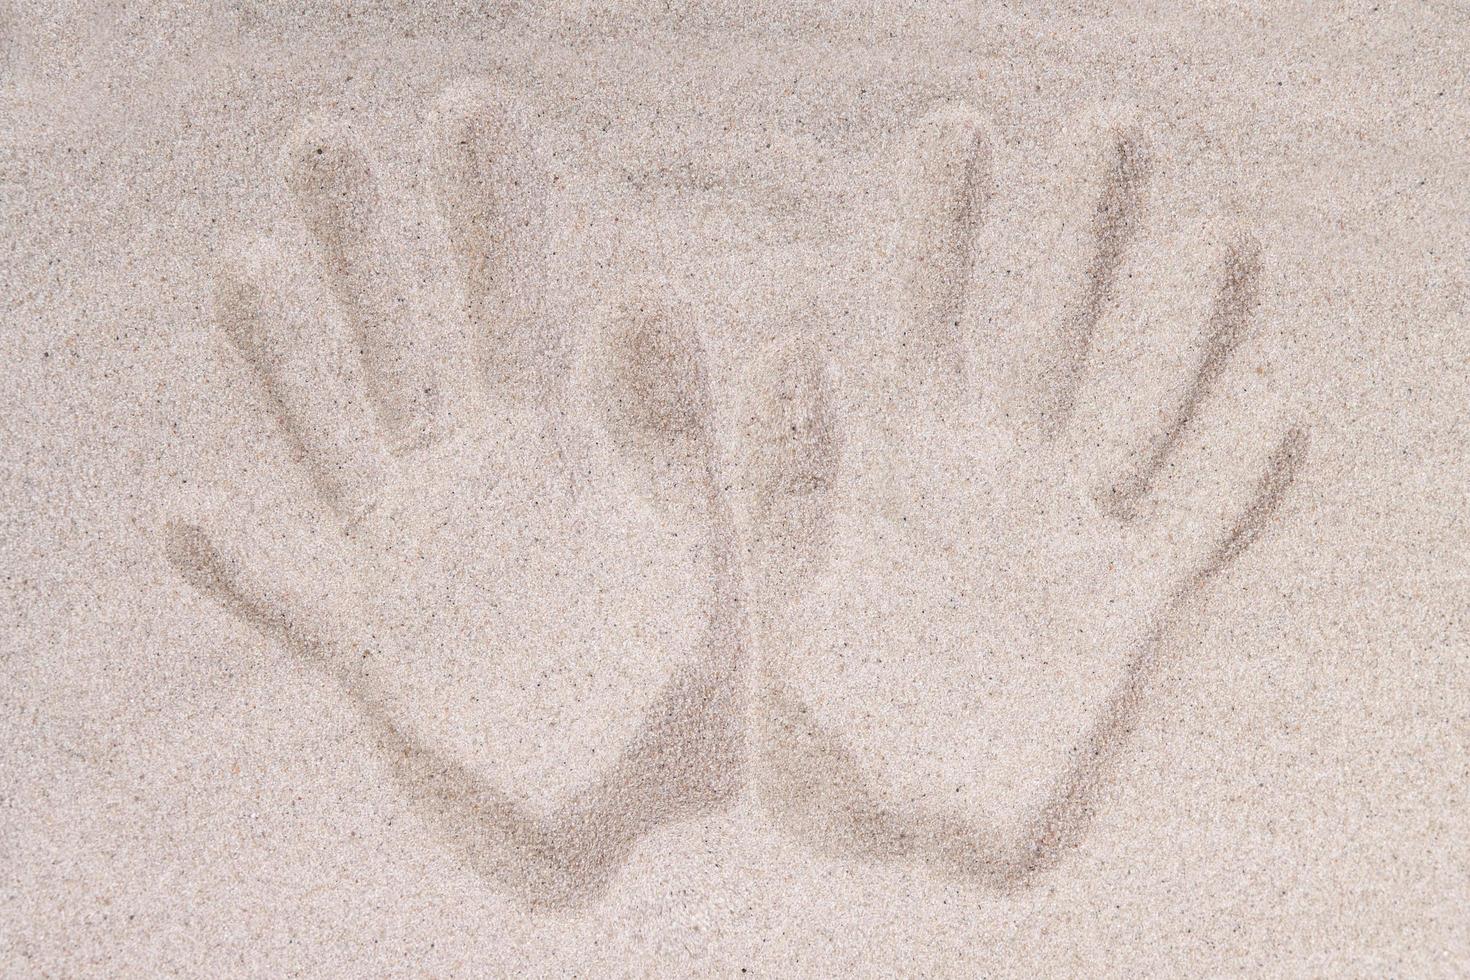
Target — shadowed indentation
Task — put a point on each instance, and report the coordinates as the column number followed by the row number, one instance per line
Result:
column 189, row 551
column 1234, row 310
column 818, row 788
column 815, row 786
column 239, row 308
column 953, row 183
column 1281, row 472
column 685, row 760
column 1115, row 225
column 792, row 468
column 656, row 399
column 490, row 202
column 336, row 192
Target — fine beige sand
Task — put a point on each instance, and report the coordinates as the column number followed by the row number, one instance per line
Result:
column 773, row 489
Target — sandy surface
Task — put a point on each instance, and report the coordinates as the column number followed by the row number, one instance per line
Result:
column 773, row 489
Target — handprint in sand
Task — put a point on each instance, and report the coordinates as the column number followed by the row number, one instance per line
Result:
column 513, row 557
column 976, row 539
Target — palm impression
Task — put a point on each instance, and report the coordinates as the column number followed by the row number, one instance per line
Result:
column 978, row 535
column 500, row 498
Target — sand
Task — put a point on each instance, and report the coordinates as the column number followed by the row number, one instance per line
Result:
column 765, row 489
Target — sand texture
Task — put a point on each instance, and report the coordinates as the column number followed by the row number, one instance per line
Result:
column 769, row 489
